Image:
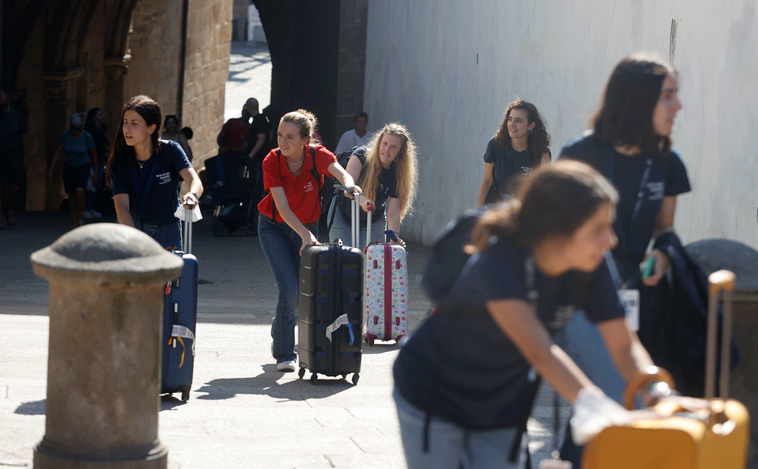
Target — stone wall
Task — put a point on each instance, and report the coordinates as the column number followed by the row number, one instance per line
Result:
column 448, row 69
column 209, row 33
column 155, row 44
column 352, row 62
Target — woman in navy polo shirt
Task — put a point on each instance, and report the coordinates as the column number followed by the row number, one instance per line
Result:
column 519, row 146
column 630, row 143
column 386, row 171
column 288, row 218
column 145, row 174
column 463, row 381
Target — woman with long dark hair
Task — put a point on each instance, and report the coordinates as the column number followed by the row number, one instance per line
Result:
column 520, row 145
column 630, row 143
column 288, row 217
column 464, row 383
column 386, row 171
column 145, row 174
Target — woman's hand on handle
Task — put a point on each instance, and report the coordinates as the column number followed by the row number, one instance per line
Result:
column 308, row 240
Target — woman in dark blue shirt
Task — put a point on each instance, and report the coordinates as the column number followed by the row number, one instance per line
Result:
column 467, row 369
column 145, row 174
column 519, row 146
column 630, row 143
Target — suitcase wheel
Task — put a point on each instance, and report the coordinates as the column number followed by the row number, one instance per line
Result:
column 301, row 373
column 356, row 377
column 220, row 230
column 314, row 378
column 185, row 392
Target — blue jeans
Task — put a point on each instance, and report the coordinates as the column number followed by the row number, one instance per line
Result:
column 341, row 229
column 169, row 236
column 452, row 446
column 582, row 341
column 281, row 246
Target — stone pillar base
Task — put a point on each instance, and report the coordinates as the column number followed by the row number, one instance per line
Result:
column 48, row 455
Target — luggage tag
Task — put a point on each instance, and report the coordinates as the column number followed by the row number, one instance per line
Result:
column 631, row 301
column 555, row 463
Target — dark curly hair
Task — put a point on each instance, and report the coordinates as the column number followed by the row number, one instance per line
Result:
column 538, row 140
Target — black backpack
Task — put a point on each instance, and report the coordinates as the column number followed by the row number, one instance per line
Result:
column 328, row 192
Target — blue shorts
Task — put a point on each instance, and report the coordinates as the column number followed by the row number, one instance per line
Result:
column 75, row 177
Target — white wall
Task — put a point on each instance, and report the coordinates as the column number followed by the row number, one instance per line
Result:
column 421, row 70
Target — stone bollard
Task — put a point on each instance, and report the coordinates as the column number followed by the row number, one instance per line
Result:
column 717, row 254
column 104, row 361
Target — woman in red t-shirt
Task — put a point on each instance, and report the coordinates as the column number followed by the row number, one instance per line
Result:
column 289, row 214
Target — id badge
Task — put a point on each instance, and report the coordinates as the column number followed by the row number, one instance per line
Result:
column 631, row 301
column 555, row 464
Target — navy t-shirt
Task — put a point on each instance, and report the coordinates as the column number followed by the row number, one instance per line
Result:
column 667, row 177
column 508, row 163
column 484, row 383
column 386, row 189
column 163, row 198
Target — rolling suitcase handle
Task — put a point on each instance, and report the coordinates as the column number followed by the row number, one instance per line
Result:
column 355, row 230
column 723, row 280
column 188, row 229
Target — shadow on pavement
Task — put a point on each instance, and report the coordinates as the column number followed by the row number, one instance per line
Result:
column 268, row 384
column 31, row 408
column 168, row 402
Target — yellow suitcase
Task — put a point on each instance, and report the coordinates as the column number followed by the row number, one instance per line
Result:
column 715, row 438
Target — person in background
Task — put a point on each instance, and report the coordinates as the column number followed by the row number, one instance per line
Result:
column 288, row 217
column 630, row 143
column 94, row 124
column 386, row 171
column 77, row 147
column 13, row 156
column 519, row 146
column 258, row 142
column 145, row 174
column 356, row 137
column 188, row 133
column 171, row 132
column 232, row 140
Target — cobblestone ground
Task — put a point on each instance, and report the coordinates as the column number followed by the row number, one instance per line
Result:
column 242, row 413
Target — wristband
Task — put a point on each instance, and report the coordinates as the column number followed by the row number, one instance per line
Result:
column 194, row 195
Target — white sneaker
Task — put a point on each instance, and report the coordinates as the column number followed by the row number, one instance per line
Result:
column 87, row 214
column 287, row 366
column 95, row 214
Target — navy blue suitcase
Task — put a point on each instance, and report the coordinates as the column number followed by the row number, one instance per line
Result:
column 179, row 323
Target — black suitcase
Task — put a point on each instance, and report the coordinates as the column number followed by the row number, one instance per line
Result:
column 180, row 322
column 330, row 309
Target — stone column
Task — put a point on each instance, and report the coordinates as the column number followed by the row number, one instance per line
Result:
column 104, row 361
column 116, row 69
column 717, row 254
column 352, row 63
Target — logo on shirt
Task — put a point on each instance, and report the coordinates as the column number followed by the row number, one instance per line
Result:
column 561, row 317
column 163, row 178
column 526, row 169
column 656, row 190
column 308, row 187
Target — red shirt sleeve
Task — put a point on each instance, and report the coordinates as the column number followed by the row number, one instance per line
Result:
column 324, row 159
column 272, row 174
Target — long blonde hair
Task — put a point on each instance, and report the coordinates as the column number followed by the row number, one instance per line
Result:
column 405, row 167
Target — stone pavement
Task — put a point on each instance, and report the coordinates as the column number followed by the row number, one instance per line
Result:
column 241, row 413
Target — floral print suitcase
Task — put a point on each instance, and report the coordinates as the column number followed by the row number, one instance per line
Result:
column 385, row 292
